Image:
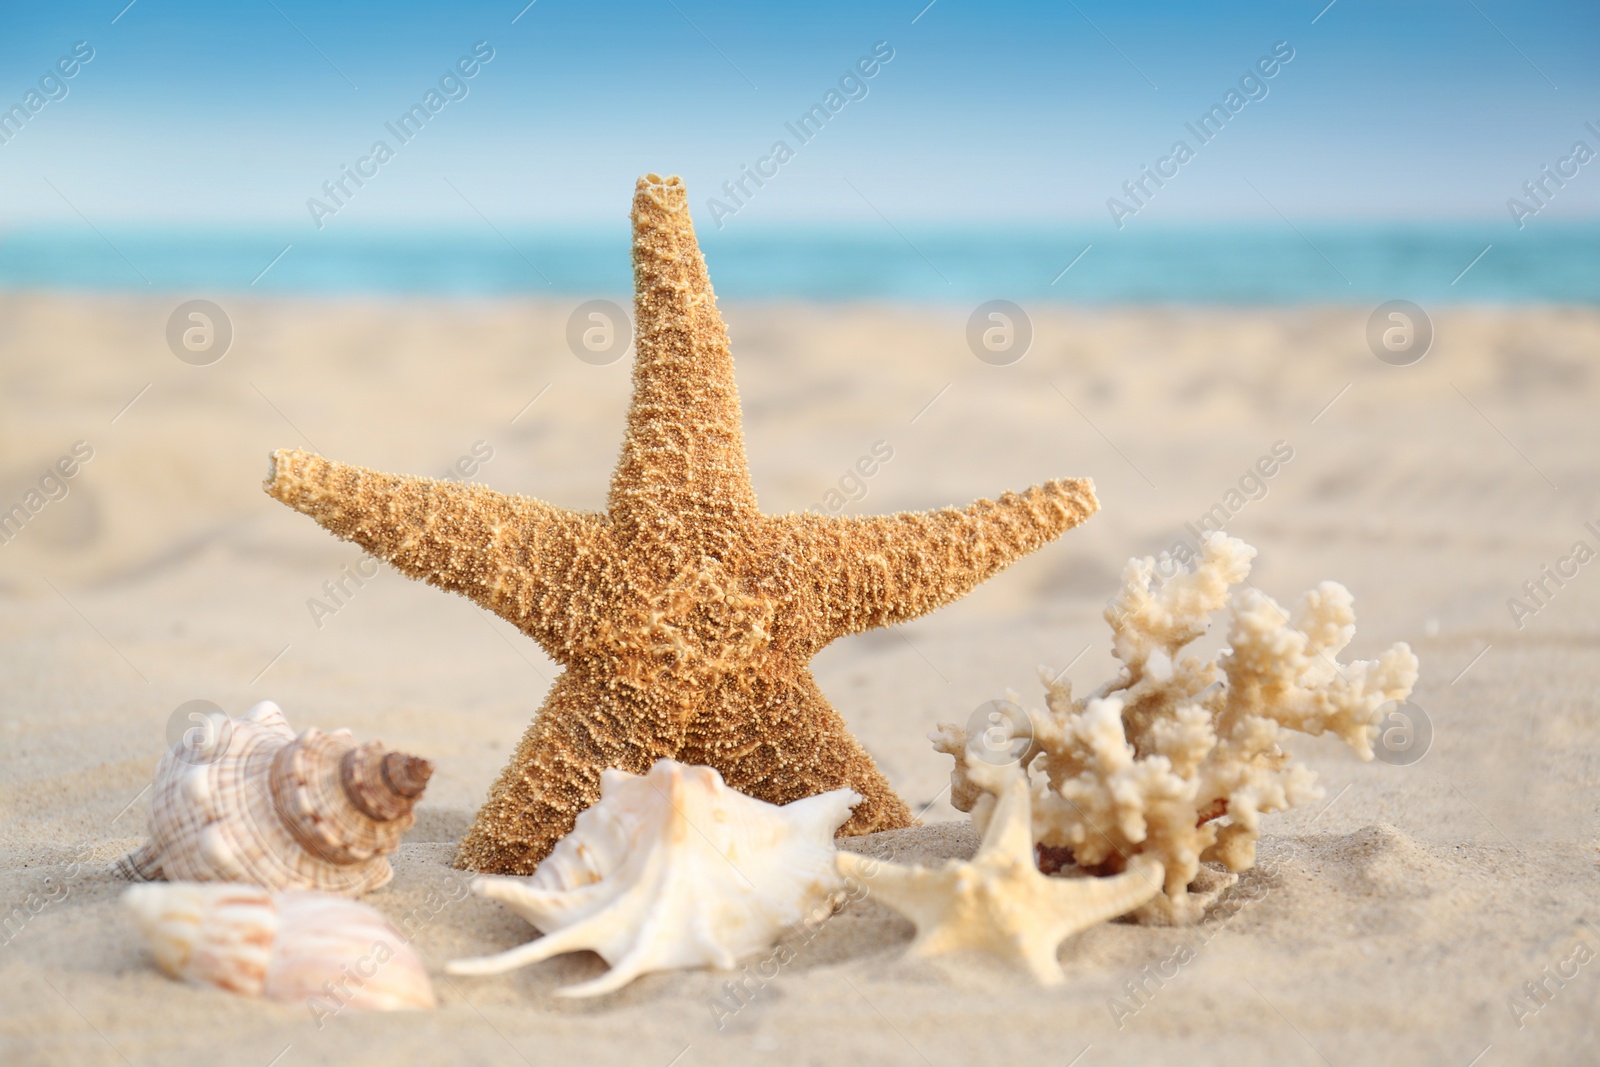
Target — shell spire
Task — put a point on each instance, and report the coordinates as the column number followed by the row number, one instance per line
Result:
column 381, row 783
column 269, row 808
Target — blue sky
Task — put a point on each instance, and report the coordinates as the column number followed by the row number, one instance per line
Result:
column 194, row 113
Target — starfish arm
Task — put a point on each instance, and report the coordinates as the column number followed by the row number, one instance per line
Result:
column 1010, row 832
column 584, row 727
column 683, row 455
column 781, row 741
column 1084, row 902
column 1041, row 960
column 882, row 570
column 505, row 553
column 921, row 894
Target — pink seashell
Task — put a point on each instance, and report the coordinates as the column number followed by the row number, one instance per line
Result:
column 327, row 951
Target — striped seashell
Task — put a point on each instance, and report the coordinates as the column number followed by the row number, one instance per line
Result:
column 327, row 951
column 315, row 811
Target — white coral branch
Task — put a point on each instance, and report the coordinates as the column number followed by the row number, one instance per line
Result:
column 1179, row 758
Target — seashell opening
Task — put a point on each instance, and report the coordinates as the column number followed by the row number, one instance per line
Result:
column 143, row 864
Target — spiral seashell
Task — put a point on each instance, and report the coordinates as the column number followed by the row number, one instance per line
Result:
column 324, row 950
column 673, row 869
column 268, row 808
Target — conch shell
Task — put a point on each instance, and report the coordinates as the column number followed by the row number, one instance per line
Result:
column 330, row 952
column 673, row 869
column 315, row 811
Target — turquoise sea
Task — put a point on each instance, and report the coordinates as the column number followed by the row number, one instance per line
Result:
column 1259, row 263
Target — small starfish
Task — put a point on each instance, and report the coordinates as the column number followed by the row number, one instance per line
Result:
column 1000, row 902
column 684, row 619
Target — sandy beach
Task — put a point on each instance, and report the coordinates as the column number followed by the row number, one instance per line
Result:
column 1401, row 921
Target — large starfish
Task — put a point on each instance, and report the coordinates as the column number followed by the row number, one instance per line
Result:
column 684, row 618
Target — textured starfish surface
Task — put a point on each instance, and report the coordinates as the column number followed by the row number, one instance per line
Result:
column 1000, row 902
column 684, row 618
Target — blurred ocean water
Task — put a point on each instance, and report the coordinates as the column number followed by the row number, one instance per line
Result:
column 1547, row 262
